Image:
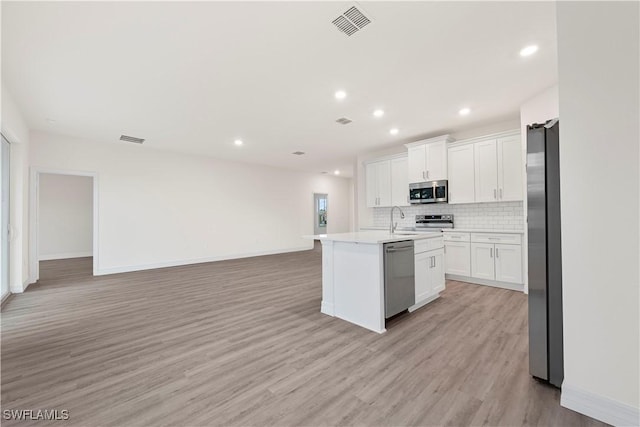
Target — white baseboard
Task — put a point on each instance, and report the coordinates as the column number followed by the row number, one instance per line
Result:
column 66, row 255
column 327, row 308
column 494, row 283
column 423, row 302
column 130, row 268
column 599, row 407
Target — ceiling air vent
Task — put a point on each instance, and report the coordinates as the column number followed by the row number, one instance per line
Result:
column 131, row 139
column 344, row 121
column 298, row 153
column 351, row 21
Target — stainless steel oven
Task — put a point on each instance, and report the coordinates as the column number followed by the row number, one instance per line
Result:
column 429, row 192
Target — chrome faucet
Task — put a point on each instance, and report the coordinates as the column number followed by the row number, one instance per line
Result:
column 392, row 226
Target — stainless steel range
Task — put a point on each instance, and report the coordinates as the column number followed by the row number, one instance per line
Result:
column 433, row 222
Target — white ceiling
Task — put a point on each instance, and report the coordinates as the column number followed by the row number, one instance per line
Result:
column 195, row 76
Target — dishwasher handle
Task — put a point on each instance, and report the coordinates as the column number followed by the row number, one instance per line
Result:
column 407, row 248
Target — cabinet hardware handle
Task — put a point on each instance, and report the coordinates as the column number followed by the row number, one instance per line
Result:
column 501, row 193
column 423, row 177
column 494, row 194
column 427, row 174
column 491, row 252
column 496, row 252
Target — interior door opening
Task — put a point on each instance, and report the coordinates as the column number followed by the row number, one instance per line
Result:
column 320, row 203
column 65, row 224
column 4, row 217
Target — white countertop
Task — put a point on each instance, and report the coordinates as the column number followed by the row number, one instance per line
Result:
column 375, row 237
column 460, row 230
column 482, row 230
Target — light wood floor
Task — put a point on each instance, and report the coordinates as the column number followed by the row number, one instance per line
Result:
column 243, row 342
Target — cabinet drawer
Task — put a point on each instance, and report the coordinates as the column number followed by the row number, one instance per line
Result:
column 424, row 245
column 510, row 239
column 452, row 236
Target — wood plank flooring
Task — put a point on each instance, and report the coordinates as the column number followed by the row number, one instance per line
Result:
column 243, row 342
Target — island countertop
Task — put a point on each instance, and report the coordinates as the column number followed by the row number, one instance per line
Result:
column 376, row 237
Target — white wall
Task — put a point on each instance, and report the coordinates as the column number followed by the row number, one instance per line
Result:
column 15, row 129
column 65, row 213
column 598, row 44
column 159, row 208
column 539, row 109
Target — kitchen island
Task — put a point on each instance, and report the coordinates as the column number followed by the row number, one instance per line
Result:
column 353, row 274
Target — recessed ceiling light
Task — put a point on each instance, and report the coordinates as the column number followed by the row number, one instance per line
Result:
column 529, row 50
column 340, row 94
column 336, row 172
column 393, row 131
column 238, row 142
column 378, row 113
column 464, row 111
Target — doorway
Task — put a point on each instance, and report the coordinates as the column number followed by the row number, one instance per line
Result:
column 64, row 222
column 4, row 218
column 320, row 202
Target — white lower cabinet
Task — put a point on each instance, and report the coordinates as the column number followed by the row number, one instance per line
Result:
column 423, row 281
column 486, row 258
column 482, row 262
column 429, row 272
column 508, row 263
column 457, row 258
column 437, row 271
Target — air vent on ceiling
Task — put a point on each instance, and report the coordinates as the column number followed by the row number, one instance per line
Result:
column 351, row 21
column 298, row 153
column 131, row 139
column 344, row 121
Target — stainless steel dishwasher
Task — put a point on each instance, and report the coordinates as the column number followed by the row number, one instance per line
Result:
column 399, row 277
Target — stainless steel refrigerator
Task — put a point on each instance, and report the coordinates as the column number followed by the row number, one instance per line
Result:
column 545, row 261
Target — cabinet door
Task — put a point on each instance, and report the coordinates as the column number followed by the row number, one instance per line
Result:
column 436, row 272
column 510, row 167
column 509, row 263
column 417, row 163
column 486, row 171
column 384, row 182
column 423, row 277
column 457, row 258
column 436, row 161
column 482, row 263
column 461, row 174
column 371, row 189
column 399, row 182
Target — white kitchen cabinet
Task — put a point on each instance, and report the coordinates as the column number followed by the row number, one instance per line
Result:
column 399, row 182
column 482, row 261
column 423, row 276
column 429, row 268
column 510, row 168
column 417, row 163
column 508, row 260
column 461, row 174
column 437, row 271
column 378, row 183
column 486, row 171
column 458, row 258
column 436, row 160
column 427, row 159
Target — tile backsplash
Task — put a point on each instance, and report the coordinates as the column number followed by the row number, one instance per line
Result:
column 495, row 216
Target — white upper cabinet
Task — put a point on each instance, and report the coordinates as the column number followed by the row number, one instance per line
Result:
column 417, row 163
column 428, row 159
column 461, row 178
column 510, row 168
column 436, row 159
column 399, row 182
column 378, row 183
column 486, row 171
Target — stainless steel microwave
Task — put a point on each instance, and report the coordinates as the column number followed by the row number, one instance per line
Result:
column 429, row 192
